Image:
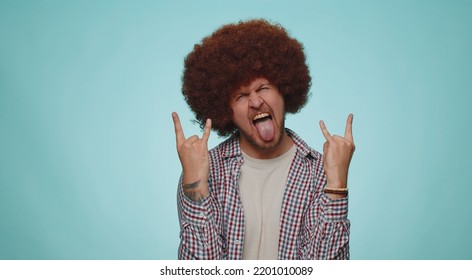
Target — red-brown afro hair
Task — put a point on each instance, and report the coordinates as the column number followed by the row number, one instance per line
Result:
column 233, row 56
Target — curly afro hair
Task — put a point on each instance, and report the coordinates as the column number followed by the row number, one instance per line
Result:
column 233, row 56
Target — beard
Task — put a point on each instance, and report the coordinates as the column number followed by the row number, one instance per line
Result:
column 266, row 146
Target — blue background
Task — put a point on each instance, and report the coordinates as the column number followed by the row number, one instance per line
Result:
column 88, row 168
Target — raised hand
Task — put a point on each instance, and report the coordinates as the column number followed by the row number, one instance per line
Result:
column 337, row 154
column 193, row 155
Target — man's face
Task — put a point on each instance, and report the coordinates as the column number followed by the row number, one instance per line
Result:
column 259, row 114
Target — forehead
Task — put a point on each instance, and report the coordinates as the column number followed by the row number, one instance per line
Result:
column 253, row 85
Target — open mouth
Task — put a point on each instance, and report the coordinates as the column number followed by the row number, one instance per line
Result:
column 264, row 125
column 261, row 117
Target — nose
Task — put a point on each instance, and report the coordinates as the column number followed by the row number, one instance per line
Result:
column 255, row 100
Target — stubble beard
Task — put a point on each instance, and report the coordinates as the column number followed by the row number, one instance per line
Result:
column 268, row 147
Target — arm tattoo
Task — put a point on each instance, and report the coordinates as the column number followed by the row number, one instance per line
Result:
column 191, row 192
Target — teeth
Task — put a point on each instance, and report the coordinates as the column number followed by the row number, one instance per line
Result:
column 260, row 116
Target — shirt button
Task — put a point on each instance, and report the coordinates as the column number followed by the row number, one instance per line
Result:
column 237, row 242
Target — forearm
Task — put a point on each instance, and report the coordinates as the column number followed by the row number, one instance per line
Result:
column 333, row 241
column 199, row 243
column 332, row 228
column 196, row 191
column 198, row 230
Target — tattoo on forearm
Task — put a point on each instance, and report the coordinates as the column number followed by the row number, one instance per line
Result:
column 191, row 192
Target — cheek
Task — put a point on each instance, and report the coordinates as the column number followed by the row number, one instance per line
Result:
column 282, row 105
column 241, row 120
column 278, row 106
column 238, row 115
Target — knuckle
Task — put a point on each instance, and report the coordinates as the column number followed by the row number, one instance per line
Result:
column 187, row 145
column 350, row 145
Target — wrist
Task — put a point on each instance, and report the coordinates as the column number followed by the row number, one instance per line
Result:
column 190, row 177
column 336, row 191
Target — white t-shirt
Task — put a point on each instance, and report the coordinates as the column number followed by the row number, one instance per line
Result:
column 262, row 186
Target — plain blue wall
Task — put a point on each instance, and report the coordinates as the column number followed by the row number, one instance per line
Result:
column 88, row 168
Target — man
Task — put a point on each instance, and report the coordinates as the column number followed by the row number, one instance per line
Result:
column 263, row 193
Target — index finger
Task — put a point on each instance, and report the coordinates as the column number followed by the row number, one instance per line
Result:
column 179, row 133
column 324, row 130
column 348, row 131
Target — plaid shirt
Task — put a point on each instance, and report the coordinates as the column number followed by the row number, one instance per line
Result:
column 312, row 226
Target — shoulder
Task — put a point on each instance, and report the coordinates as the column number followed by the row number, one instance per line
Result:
column 222, row 160
column 308, row 164
column 227, row 149
column 303, row 148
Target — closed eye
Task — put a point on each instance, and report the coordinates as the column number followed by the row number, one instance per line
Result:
column 241, row 96
column 263, row 87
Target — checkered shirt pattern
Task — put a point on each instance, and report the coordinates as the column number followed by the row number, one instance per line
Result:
column 312, row 226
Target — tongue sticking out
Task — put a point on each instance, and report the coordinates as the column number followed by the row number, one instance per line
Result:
column 265, row 129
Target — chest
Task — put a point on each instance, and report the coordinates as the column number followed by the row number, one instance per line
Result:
column 295, row 193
